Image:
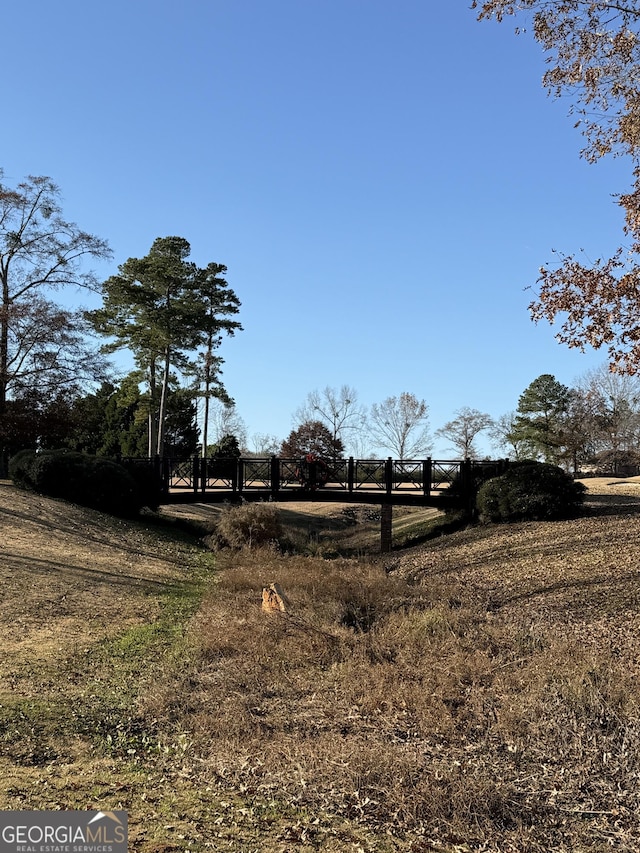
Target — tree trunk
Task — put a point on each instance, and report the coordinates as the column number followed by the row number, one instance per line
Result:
column 205, row 425
column 207, row 391
column 163, row 401
column 4, row 345
column 4, row 367
column 153, row 440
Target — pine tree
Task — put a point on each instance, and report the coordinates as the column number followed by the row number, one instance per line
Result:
column 540, row 419
column 163, row 308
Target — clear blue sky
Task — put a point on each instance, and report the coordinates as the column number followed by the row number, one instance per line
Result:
column 383, row 181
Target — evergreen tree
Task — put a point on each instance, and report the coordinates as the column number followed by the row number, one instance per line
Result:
column 227, row 448
column 215, row 300
column 163, row 308
column 125, row 420
column 540, row 420
column 89, row 421
column 181, row 429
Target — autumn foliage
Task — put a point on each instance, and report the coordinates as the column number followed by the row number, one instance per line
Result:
column 593, row 56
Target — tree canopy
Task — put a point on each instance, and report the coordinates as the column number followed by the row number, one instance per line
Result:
column 337, row 409
column 592, row 51
column 540, row 418
column 311, row 437
column 163, row 308
column 401, row 425
column 593, row 57
column 41, row 252
column 463, row 430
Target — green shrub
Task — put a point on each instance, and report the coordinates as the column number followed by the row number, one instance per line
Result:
column 77, row 477
column 248, row 526
column 532, row 491
column 148, row 481
column 480, row 473
column 20, row 465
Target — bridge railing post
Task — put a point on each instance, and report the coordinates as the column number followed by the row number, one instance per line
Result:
column 275, row 476
column 351, row 473
column 204, row 474
column 162, row 472
column 427, row 470
column 468, row 491
column 240, row 476
column 388, row 475
column 195, row 470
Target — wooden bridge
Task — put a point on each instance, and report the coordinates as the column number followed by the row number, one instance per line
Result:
column 421, row 482
column 388, row 482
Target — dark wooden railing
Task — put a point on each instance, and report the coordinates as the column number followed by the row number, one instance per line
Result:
column 414, row 481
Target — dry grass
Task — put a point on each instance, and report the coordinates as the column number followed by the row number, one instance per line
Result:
column 424, row 709
column 476, row 693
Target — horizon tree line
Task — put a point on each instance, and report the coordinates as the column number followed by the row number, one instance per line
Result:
column 596, row 423
column 172, row 315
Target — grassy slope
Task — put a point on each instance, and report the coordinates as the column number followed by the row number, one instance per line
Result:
column 479, row 692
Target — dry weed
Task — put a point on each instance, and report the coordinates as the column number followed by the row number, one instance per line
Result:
column 415, row 703
column 250, row 525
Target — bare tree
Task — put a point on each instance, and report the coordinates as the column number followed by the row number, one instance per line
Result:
column 615, row 402
column 337, row 409
column 48, row 349
column 504, row 436
column 224, row 419
column 265, row 444
column 40, row 252
column 401, row 425
column 463, row 430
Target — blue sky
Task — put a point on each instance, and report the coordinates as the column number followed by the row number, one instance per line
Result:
column 382, row 181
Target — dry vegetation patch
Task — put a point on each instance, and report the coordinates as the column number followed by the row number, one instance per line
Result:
column 479, row 692
column 71, row 576
column 83, row 624
column 323, row 529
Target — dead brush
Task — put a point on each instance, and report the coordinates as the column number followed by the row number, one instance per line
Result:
column 332, row 707
column 408, row 707
column 250, row 525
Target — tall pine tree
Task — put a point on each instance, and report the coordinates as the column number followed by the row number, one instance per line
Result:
column 540, row 419
column 164, row 308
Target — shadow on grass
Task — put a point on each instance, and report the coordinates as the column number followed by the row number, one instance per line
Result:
column 33, row 565
column 611, row 505
column 93, row 526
